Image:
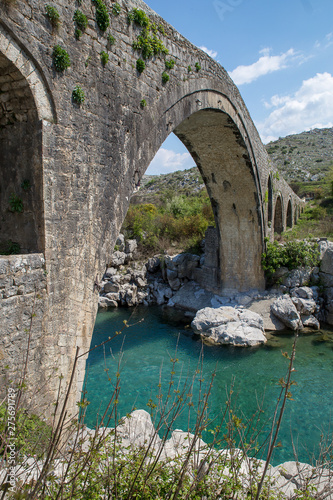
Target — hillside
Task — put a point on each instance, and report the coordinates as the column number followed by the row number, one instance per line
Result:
column 305, row 157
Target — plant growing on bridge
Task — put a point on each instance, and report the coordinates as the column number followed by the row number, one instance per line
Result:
column 78, row 95
column 140, row 65
column 111, row 40
column 15, row 203
column 143, row 103
column 139, row 17
column 80, row 20
column 170, row 64
column 197, row 66
column 165, row 77
column 147, row 42
column 52, row 15
column 104, row 57
column 102, row 15
column 60, row 58
column 116, row 9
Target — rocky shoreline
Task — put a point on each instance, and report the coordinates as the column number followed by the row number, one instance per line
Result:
column 302, row 299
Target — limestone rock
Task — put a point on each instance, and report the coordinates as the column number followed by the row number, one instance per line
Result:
column 120, row 243
column 186, row 263
column 310, row 321
column 304, row 292
column 104, row 303
column 263, row 307
column 118, row 258
column 297, row 277
column 304, row 306
column 190, row 297
column 284, row 309
column 110, row 272
column 326, row 265
column 131, row 246
column 153, row 264
column 111, row 287
column 228, row 325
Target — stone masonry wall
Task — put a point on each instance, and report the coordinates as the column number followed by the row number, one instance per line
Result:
column 91, row 156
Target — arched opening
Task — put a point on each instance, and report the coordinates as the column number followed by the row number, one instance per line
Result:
column 270, row 200
column 219, row 151
column 289, row 215
column 21, row 207
column 278, row 220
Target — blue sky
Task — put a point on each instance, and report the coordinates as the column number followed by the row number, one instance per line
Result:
column 278, row 52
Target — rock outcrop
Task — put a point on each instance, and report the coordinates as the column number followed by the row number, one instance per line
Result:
column 228, row 325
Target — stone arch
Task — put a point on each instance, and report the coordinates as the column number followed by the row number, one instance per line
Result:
column 24, row 103
column 214, row 134
column 289, row 218
column 278, row 215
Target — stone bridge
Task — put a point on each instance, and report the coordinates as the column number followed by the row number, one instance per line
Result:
column 67, row 170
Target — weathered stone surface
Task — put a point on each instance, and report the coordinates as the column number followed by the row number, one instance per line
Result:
column 305, row 292
column 84, row 162
column 131, row 246
column 326, row 265
column 118, row 258
column 120, row 243
column 228, row 325
column 284, row 309
column 297, row 278
column 153, row 264
column 191, row 298
column 263, row 308
column 304, row 306
column 310, row 321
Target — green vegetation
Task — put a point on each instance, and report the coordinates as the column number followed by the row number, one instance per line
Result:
column 15, row 203
column 165, row 77
column 78, row 95
column 140, row 65
column 197, row 66
column 61, row 60
column 104, row 57
column 170, row 64
column 111, row 40
column 52, row 15
column 81, row 22
column 143, row 103
column 292, row 254
column 147, row 42
column 116, row 9
column 26, row 185
column 179, row 221
column 189, row 69
column 102, row 15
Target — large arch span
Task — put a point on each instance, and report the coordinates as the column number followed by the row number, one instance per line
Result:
column 86, row 159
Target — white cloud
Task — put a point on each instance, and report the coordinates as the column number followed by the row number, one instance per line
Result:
column 265, row 64
column 211, row 53
column 311, row 106
column 166, row 161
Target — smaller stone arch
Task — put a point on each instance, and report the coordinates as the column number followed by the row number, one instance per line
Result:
column 278, row 215
column 289, row 219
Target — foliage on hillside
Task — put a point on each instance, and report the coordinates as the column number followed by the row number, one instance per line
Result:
column 303, row 157
column 177, row 222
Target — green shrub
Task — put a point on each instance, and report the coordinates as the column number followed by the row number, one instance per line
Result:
column 80, row 20
column 140, row 65
column 78, row 95
column 197, row 66
column 15, row 203
column 26, row 185
column 116, row 9
column 111, row 40
column 77, row 33
column 104, row 57
column 189, row 69
column 143, row 103
column 9, row 248
column 165, row 77
column 102, row 15
column 53, row 15
column 170, row 64
column 292, row 254
column 61, row 60
column 139, row 17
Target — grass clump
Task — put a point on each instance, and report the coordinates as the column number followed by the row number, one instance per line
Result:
column 140, row 65
column 111, row 40
column 78, row 95
column 116, row 9
column 147, row 42
column 143, row 103
column 61, row 60
column 104, row 57
column 170, row 64
column 165, row 77
column 197, row 67
column 80, row 20
column 102, row 15
column 52, row 15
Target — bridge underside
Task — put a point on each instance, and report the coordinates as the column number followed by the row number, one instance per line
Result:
column 220, row 153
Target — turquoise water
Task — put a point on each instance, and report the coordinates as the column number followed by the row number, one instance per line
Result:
column 143, row 352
